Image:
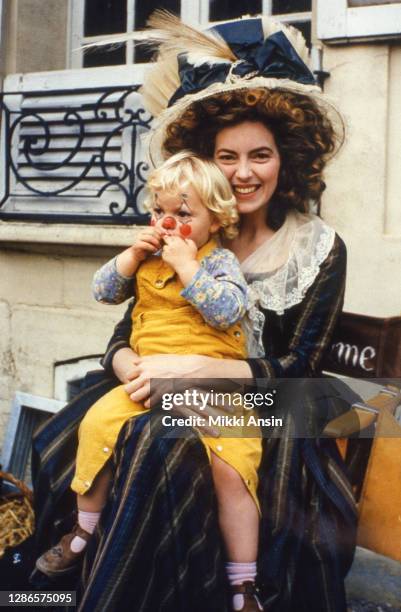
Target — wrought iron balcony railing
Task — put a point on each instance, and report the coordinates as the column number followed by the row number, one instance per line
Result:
column 73, row 155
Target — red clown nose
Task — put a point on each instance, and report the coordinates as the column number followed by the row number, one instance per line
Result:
column 169, row 223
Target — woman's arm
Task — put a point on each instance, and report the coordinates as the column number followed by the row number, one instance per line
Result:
column 118, row 347
column 316, row 319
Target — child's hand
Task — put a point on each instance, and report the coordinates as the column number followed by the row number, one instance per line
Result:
column 178, row 252
column 181, row 254
column 148, row 241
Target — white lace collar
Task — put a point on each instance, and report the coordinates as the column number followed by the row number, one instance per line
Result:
column 281, row 270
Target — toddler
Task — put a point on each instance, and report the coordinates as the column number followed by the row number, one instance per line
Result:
column 190, row 297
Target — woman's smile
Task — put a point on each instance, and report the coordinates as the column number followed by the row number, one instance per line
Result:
column 245, row 190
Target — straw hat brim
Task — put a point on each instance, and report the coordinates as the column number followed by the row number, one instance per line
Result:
column 156, row 137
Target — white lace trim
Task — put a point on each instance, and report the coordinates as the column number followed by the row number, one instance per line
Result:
column 285, row 287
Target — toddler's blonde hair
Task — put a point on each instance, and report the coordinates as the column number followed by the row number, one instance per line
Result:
column 185, row 168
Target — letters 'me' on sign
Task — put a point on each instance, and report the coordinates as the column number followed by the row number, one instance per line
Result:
column 366, row 347
column 353, row 356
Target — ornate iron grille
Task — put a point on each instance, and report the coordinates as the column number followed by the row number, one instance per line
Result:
column 73, row 155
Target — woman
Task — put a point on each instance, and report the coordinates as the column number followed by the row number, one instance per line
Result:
column 251, row 105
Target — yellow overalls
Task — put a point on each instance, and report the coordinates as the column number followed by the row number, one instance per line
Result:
column 164, row 323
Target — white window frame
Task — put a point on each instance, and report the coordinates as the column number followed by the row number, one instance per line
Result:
column 338, row 23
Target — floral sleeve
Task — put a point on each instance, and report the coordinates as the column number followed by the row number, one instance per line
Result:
column 111, row 287
column 218, row 290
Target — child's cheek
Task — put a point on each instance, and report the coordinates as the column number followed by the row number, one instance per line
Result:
column 185, row 230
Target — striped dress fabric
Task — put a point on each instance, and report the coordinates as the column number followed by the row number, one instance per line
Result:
column 158, row 547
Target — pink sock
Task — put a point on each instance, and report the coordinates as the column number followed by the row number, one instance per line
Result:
column 238, row 573
column 87, row 521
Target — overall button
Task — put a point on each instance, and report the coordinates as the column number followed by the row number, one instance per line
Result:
column 219, row 448
column 237, row 334
column 159, row 283
column 106, row 449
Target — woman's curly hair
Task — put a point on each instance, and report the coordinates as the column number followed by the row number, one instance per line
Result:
column 304, row 135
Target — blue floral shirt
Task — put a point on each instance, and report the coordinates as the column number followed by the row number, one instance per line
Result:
column 218, row 290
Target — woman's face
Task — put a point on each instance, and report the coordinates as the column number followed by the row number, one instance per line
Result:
column 248, row 155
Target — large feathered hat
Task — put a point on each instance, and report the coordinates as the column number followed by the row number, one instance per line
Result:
column 242, row 54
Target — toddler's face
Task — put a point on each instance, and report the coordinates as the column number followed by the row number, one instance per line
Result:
column 183, row 214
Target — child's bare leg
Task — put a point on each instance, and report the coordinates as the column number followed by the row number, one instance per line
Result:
column 238, row 514
column 96, row 497
column 239, row 524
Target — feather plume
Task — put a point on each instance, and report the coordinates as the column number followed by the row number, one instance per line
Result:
column 116, row 40
column 180, row 37
column 174, row 37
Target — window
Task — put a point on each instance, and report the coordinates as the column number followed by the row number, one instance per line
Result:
column 341, row 21
column 93, row 20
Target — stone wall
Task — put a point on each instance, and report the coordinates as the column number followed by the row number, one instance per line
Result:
column 36, row 35
column 47, row 312
column 364, row 182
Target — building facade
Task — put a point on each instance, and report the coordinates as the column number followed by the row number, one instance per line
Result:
column 72, row 165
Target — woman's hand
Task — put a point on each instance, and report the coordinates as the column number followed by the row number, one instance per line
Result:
column 178, row 367
column 162, row 366
column 124, row 365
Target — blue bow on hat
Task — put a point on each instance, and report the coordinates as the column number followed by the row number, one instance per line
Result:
column 273, row 57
